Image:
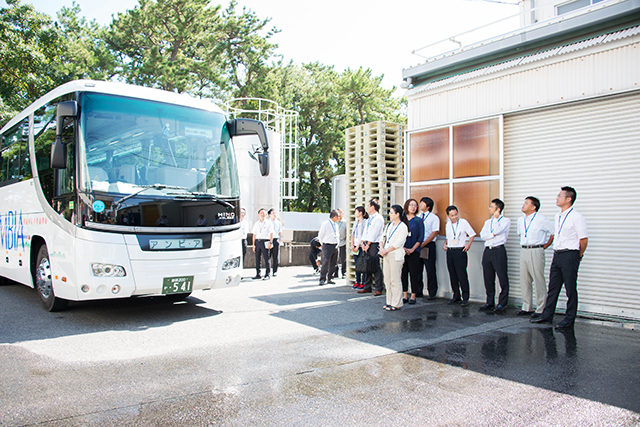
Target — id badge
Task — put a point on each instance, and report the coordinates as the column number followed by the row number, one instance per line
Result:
column 409, row 235
column 454, row 242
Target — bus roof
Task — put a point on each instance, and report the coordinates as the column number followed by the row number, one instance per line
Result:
column 116, row 88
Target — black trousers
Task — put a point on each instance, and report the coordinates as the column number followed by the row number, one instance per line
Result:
column 329, row 259
column 374, row 249
column 412, row 269
column 564, row 269
column 313, row 257
column 244, row 249
column 275, row 255
column 430, row 267
column 457, row 265
column 262, row 251
column 494, row 262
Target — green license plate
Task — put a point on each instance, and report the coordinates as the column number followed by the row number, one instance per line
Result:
column 177, row 285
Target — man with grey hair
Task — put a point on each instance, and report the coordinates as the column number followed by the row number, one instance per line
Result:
column 329, row 236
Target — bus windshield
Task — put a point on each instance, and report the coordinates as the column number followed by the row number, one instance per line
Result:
column 127, row 144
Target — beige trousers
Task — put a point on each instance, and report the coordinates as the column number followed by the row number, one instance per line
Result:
column 532, row 274
column 392, row 273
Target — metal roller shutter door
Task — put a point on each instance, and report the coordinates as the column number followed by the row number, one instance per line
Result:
column 593, row 146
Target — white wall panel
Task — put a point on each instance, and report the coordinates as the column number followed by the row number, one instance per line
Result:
column 594, row 147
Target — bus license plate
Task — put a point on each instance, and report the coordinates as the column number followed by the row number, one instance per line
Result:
column 177, row 285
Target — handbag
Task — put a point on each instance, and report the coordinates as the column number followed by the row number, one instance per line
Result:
column 365, row 264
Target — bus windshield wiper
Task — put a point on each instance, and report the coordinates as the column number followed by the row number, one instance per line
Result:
column 202, row 195
column 145, row 188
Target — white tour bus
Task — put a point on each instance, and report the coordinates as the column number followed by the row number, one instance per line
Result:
column 109, row 190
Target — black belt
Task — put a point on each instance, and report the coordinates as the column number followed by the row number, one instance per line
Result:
column 561, row 251
column 455, row 249
column 495, row 247
column 532, row 246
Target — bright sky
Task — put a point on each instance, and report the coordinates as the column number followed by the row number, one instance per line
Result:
column 376, row 34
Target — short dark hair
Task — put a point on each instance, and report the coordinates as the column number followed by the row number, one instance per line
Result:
column 429, row 202
column 375, row 204
column 261, row 209
column 270, row 210
column 451, row 208
column 363, row 211
column 334, row 213
column 571, row 192
column 534, row 201
column 406, row 205
column 398, row 209
column 499, row 204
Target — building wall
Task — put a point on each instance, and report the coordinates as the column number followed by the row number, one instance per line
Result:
column 571, row 117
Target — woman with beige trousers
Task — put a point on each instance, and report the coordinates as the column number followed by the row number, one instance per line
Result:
column 392, row 254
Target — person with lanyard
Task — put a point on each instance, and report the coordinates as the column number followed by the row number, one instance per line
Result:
column 243, row 229
column 262, row 241
column 329, row 237
column 412, row 266
column 356, row 237
column 460, row 236
column 494, row 258
column 393, row 257
column 428, row 246
column 342, row 246
column 569, row 246
column 277, row 234
column 371, row 239
column 536, row 235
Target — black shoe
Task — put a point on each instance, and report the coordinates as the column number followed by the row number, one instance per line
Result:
column 321, row 283
column 266, row 277
column 464, row 303
column 330, row 282
column 275, row 273
column 412, row 300
column 565, row 324
column 405, row 300
column 523, row 313
column 487, row 307
column 541, row 320
column 431, row 298
column 257, row 277
column 455, row 301
column 499, row 309
column 536, row 315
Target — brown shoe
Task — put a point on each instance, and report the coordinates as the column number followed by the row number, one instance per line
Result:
column 377, row 293
column 364, row 291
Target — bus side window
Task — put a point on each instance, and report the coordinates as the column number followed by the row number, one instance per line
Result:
column 14, row 154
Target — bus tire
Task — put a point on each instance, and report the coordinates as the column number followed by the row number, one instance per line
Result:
column 178, row 297
column 43, row 284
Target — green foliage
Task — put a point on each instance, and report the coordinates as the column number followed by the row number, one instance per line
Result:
column 30, row 45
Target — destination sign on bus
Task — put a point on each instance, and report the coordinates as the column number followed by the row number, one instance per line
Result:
column 167, row 244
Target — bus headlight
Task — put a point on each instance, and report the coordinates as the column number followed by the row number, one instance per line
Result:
column 107, row 270
column 231, row 263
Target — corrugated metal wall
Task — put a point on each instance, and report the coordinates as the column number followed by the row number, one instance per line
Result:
column 594, row 147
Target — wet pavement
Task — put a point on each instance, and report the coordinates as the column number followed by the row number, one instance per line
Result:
column 290, row 352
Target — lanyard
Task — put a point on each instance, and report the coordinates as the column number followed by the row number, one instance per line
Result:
column 526, row 229
column 562, row 225
column 394, row 230
column 455, row 230
column 497, row 221
column 335, row 232
column 425, row 217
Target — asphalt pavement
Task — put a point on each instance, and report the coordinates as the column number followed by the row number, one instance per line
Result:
column 289, row 352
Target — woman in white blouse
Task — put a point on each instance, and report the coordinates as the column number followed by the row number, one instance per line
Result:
column 392, row 253
column 356, row 237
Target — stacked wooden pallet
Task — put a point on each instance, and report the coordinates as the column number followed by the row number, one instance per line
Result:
column 374, row 159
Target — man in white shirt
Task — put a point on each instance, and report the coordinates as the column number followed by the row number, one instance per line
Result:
column 570, row 243
column 329, row 236
column 494, row 258
column 277, row 234
column 428, row 246
column 342, row 246
column 262, row 240
column 536, row 235
column 371, row 239
column 460, row 236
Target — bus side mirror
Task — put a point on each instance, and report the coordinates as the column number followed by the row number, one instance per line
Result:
column 59, row 149
column 252, row 127
column 263, row 161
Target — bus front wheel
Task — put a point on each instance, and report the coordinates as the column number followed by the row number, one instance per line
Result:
column 44, row 287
